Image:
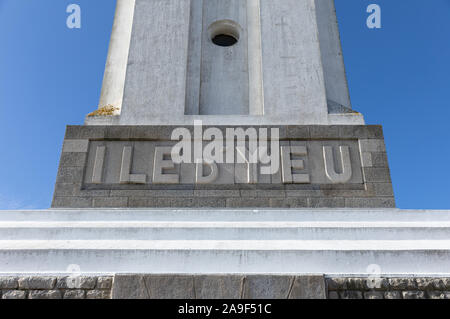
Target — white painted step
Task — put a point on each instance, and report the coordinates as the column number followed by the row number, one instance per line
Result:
column 218, row 257
column 228, row 245
column 214, row 215
column 345, row 241
column 146, row 230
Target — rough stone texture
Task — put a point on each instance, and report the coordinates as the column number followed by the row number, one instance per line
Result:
column 357, row 284
column 333, row 295
column 73, row 159
column 129, row 287
column 392, row 295
column 37, row 282
column 218, row 287
column 98, row 294
column 104, row 283
column 76, row 282
column 438, row 295
column 369, row 202
column 403, row 283
column 153, row 287
column 170, row 287
column 75, row 146
column 308, row 287
column 74, row 294
column 425, row 283
column 413, row 295
column 78, row 202
column 351, row 294
column 373, row 295
column 248, row 202
column 377, row 284
column 334, row 284
column 134, row 286
column 289, row 203
column 49, row 287
column 110, row 202
column 45, row 294
column 14, row 294
column 71, row 191
column 267, row 287
column 440, row 284
column 9, row 282
column 388, row 288
column 326, row 202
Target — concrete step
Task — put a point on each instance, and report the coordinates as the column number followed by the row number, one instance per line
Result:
column 214, row 215
column 145, row 230
column 346, row 241
column 218, row 257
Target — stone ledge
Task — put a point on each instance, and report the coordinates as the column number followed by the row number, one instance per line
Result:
column 225, row 202
column 164, row 132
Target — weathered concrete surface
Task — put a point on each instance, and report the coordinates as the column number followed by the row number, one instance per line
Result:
column 173, row 286
column 338, row 96
column 267, row 287
column 163, row 68
column 117, row 61
column 308, row 287
column 218, row 287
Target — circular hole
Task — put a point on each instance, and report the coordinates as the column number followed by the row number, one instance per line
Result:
column 224, row 33
column 224, row 40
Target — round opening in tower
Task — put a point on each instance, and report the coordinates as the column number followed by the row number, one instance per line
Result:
column 224, row 40
column 224, row 33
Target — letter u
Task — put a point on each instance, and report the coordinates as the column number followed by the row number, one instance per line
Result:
column 330, row 170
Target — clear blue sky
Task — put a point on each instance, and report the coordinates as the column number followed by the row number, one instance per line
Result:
column 399, row 76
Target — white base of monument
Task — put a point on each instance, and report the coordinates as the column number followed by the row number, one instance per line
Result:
column 330, row 241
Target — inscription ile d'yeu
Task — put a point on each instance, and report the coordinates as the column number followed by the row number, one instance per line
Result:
column 302, row 162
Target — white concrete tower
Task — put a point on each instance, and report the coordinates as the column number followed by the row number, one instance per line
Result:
column 229, row 62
